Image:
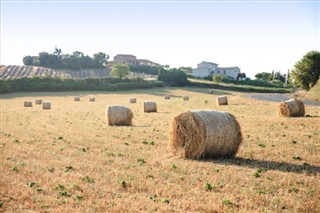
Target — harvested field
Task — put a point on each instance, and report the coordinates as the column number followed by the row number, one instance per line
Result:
column 14, row 72
column 68, row 159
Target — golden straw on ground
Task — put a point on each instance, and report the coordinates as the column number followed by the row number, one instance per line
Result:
column 27, row 104
column 46, row 105
column 222, row 100
column 38, row 101
column 205, row 133
column 149, row 106
column 119, row 116
column 291, row 108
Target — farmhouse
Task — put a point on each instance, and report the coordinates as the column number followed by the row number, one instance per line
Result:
column 205, row 69
column 132, row 60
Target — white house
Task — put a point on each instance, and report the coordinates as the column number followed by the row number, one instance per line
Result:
column 205, row 69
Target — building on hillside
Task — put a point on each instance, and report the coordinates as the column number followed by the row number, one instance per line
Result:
column 205, row 69
column 131, row 60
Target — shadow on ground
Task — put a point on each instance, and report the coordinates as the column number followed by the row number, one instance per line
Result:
column 268, row 165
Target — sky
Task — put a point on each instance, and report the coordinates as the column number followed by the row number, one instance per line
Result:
column 256, row 36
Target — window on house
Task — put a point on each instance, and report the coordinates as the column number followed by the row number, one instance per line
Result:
column 218, row 72
column 224, row 72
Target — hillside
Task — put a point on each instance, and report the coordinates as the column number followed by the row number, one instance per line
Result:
column 313, row 94
column 14, row 72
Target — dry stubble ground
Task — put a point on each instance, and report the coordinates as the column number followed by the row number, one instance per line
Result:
column 68, row 160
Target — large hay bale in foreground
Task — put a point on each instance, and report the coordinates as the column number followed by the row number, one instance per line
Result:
column 167, row 97
column 38, row 101
column 185, row 98
column 119, row 116
column 46, row 105
column 27, row 104
column 205, row 133
column 92, row 99
column 77, row 98
column 149, row 106
column 133, row 100
column 222, row 100
column 291, row 108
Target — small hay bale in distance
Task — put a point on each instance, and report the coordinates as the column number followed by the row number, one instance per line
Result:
column 149, row 106
column 46, row 105
column 27, row 104
column 119, row 116
column 205, row 133
column 291, row 108
column 133, row 100
column 185, row 98
column 92, row 99
column 167, row 97
column 76, row 98
column 222, row 100
column 211, row 91
column 38, row 101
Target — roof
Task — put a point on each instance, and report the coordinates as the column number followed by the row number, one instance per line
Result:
column 125, row 55
column 208, row 62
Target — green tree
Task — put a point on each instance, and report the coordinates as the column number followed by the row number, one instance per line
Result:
column 217, row 78
column 306, row 72
column 28, row 60
column 174, row 77
column 100, row 58
column 264, row 76
column 120, row 71
column 57, row 52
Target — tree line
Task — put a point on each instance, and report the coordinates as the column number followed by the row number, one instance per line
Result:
column 305, row 74
column 75, row 61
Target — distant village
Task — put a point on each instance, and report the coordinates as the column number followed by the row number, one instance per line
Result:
column 203, row 69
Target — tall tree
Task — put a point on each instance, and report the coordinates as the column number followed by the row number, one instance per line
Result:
column 306, row 72
column 120, row 71
column 100, row 58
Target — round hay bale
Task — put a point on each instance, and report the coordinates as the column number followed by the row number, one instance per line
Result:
column 291, row 108
column 167, row 97
column 211, row 91
column 77, row 98
column 222, row 100
column 205, row 133
column 149, row 106
column 46, row 105
column 119, row 116
column 92, row 99
column 38, row 101
column 185, row 98
column 27, row 104
column 133, row 100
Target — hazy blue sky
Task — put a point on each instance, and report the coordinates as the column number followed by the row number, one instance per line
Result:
column 255, row 36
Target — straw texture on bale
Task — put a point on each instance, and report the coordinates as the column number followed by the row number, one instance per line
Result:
column 149, row 106
column 119, row 116
column 92, row 99
column 185, row 98
column 46, row 105
column 222, row 100
column 291, row 108
column 38, row 101
column 133, row 100
column 205, row 133
column 27, row 104
column 77, row 98
column 167, row 97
